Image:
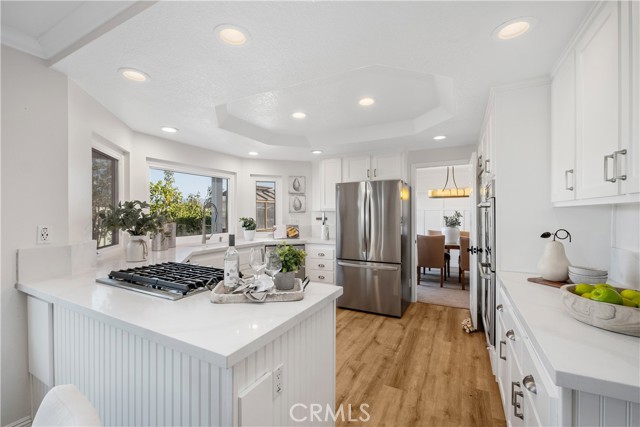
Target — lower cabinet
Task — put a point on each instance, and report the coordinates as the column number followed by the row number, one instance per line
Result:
column 320, row 263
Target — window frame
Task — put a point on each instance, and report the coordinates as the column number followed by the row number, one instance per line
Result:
column 196, row 170
column 275, row 199
column 279, row 199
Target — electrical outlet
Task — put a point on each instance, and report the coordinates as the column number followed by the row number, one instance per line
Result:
column 278, row 379
column 44, row 234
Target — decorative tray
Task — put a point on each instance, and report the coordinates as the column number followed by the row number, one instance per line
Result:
column 541, row 281
column 219, row 296
column 612, row 317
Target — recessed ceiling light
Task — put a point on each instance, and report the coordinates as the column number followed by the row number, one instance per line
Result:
column 232, row 34
column 514, row 28
column 439, row 137
column 252, row 153
column 316, row 152
column 169, row 129
column 365, row 102
column 133, row 75
column 298, row 115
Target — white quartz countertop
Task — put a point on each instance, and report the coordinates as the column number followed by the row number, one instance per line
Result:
column 576, row 355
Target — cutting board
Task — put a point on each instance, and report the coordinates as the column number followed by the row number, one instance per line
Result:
column 541, row 281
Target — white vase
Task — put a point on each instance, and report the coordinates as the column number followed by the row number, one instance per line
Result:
column 554, row 264
column 136, row 249
column 451, row 234
column 249, row 235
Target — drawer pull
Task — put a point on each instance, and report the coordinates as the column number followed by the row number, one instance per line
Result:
column 615, row 164
column 566, row 179
column 321, row 277
column 514, row 400
column 500, row 351
column 500, row 307
column 606, row 168
column 511, row 335
column 320, row 253
column 321, row 265
column 530, row 384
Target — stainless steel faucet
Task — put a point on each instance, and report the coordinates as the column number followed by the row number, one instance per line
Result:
column 206, row 205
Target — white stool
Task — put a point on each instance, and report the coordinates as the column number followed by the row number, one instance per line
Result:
column 64, row 405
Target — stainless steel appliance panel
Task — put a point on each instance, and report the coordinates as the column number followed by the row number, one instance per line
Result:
column 372, row 287
column 352, row 220
column 384, row 224
column 487, row 260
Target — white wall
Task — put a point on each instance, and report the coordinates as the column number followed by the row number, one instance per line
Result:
column 523, row 199
column 34, row 191
column 430, row 212
column 625, row 245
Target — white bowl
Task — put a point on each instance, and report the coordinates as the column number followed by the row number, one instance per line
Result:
column 586, row 271
column 591, row 280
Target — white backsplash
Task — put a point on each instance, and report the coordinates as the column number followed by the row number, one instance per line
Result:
column 50, row 262
column 316, row 224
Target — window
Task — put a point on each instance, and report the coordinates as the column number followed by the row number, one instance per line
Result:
column 104, row 194
column 187, row 199
column 265, row 205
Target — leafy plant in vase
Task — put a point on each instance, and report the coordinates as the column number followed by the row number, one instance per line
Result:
column 130, row 217
column 451, row 231
column 292, row 259
column 249, row 226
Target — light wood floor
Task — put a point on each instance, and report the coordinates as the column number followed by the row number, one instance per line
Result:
column 421, row 370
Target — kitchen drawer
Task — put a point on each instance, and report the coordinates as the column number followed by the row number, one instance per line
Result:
column 543, row 403
column 319, row 264
column 513, row 333
column 321, row 276
column 320, row 252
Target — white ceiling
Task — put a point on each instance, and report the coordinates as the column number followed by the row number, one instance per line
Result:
column 429, row 65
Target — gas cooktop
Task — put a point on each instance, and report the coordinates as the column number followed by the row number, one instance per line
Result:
column 170, row 280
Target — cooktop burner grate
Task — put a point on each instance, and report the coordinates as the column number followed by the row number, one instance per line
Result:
column 169, row 280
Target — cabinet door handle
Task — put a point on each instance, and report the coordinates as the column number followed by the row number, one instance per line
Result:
column 514, row 384
column 615, row 164
column 368, row 174
column 486, row 166
column 375, row 173
column 480, row 162
column 517, row 405
column 530, row 384
column 511, row 335
column 606, row 167
column 500, row 307
column 500, row 351
column 566, row 179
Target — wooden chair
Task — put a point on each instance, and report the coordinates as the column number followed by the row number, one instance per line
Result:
column 447, row 255
column 463, row 261
column 464, row 234
column 430, row 254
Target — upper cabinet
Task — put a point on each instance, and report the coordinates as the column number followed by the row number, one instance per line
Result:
column 372, row 167
column 487, row 146
column 330, row 175
column 594, row 122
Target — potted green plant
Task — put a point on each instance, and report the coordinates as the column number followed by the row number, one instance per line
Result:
column 249, row 226
column 130, row 217
column 450, row 230
column 291, row 259
column 164, row 198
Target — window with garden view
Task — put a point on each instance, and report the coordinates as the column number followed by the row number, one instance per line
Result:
column 103, row 195
column 188, row 199
column 265, row 205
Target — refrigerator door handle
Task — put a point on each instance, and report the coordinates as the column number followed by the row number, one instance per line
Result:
column 370, row 267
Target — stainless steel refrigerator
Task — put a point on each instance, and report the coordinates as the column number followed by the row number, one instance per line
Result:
column 372, row 244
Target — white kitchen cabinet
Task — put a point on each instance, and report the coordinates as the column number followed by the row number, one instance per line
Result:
column 374, row 167
column 563, row 132
column 320, row 263
column 487, row 146
column 603, row 163
column 330, row 175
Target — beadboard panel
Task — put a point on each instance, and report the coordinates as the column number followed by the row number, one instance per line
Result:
column 134, row 381
column 307, row 353
column 594, row 410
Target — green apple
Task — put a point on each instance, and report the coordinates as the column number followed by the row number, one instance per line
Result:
column 603, row 285
column 586, row 295
column 636, row 299
column 628, row 303
column 629, row 293
column 583, row 288
column 604, row 294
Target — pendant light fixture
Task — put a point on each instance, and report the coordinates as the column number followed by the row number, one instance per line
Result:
column 446, row 193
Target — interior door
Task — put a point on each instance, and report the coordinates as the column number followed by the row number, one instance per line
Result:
column 473, row 242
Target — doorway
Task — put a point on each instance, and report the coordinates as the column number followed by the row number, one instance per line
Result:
column 434, row 190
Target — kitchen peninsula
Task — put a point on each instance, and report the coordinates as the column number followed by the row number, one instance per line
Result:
column 144, row 360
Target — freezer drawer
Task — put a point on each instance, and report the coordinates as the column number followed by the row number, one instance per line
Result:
column 370, row 286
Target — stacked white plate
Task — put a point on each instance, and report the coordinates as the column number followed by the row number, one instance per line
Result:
column 587, row 275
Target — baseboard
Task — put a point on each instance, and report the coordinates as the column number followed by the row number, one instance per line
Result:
column 23, row 422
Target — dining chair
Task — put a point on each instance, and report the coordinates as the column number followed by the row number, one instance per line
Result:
column 464, row 233
column 463, row 260
column 447, row 255
column 430, row 254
